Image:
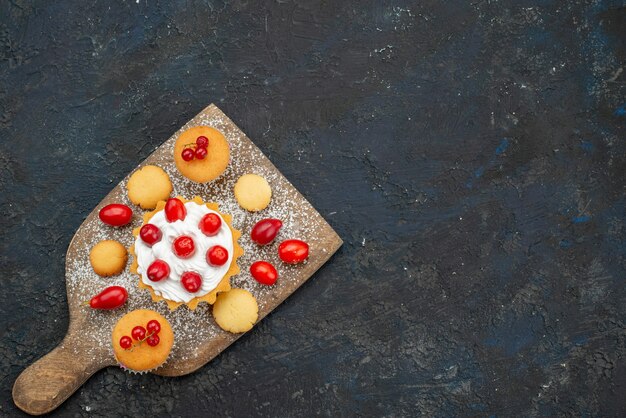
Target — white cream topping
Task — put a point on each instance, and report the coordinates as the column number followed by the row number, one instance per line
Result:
column 171, row 288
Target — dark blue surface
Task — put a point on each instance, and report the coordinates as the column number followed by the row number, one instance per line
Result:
column 470, row 154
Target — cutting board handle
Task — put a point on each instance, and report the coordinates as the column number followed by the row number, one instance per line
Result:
column 48, row 382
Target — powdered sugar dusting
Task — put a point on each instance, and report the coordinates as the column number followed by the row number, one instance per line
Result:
column 194, row 329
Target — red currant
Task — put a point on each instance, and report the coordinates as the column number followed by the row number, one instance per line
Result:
column 138, row 333
column 187, row 154
column 126, row 342
column 201, row 152
column 210, row 224
column 153, row 326
column 202, row 141
column 150, row 234
column 184, row 246
column 217, row 255
column 191, row 281
column 158, row 270
column 175, row 210
column 153, row 340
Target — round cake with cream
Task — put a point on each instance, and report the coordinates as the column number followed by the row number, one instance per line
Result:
column 185, row 252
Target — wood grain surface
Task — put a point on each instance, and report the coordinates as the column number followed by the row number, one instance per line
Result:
column 49, row 381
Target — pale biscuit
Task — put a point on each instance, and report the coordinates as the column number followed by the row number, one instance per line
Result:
column 148, row 185
column 108, row 258
column 236, row 310
column 211, row 166
column 253, row 192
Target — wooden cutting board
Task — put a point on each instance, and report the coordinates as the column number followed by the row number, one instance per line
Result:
column 86, row 347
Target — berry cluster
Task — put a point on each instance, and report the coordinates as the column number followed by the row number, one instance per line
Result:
column 197, row 150
column 150, row 335
column 184, row 246
column 291, row 251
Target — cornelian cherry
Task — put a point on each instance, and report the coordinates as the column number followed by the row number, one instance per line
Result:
column 153, row 326
column 264, row 273
column 138, row 333
column 184, row 246
column 158, row 270
column 153, row 340
column 264, row 231
column 191, row 281
column 110, row 298
column 175, row 210
column 217, row 255
column 187, row 154
column 293, row 251
column 202, row 141
column 115, row 214
column 210, row 224
column 126, row 342
column 150, row 234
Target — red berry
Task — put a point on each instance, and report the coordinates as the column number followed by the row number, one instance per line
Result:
column 191, row 281
column 158, row 270
column 126, row 342
column 184, row 247
column 201, row 152
column 150, row 234
column 187, row 154
column 210, row 224
column 265, row 231
column 138, row 333
column 202, row 141
column 175, row 210
column 115, row 214
column 110, row 298
column 293, row 251
column 217, row 255
column 153, row 327
column 153, row 340
column 264, row 273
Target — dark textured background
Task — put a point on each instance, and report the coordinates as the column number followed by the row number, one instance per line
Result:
column 470, row 154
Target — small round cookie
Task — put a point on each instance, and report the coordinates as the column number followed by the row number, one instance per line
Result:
column 148, row 185
column 236, row 310
column 141, row 356
column 211, row 166
column 108, row 258
column 253, row 192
